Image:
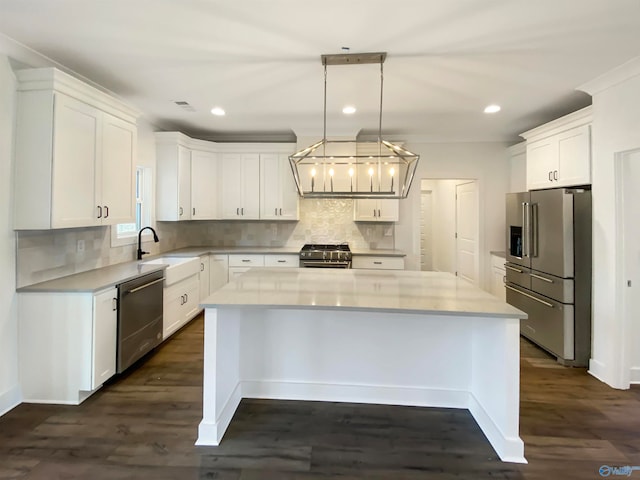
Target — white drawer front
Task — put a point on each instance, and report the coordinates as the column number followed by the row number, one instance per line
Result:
column 246, row 260
column 281, row 261
column 378, row 263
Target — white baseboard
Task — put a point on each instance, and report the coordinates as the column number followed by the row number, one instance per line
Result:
column 211, row 433
column 509, row 449
column 10, row 399
column 634, row 375
column 385, row 395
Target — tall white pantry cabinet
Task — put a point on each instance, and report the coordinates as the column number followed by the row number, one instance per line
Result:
column 75, row 152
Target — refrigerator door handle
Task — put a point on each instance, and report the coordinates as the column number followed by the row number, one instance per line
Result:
column 514, row 269
column 525, row 230
column 529, row 296
column 533, row 225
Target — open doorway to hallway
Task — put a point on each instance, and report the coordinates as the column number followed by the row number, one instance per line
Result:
column 449, row 227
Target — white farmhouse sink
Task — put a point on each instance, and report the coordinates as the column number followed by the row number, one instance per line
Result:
column 178, row 268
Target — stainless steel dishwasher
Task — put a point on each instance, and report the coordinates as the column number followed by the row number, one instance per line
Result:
column 139, row 318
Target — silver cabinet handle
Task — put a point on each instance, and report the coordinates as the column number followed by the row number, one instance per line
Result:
column 514, row 269
column 238, row 211
column 99, row 211
column 541, row 278
column 194, row 211
column 379, row 214
column 242, row 211
column 106, row 210
column 374, row 212
column 245, row 260
column 202, row 267
column 550, row 176
column 275, row 211
column 555, row 174
column 377, row 263
column 280, row 212
column 181, row 211
column 282, row 261
column 115, row 304
column 530, row 296
column 186, row 297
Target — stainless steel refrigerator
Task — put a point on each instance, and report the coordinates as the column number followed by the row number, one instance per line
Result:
column 548, row 265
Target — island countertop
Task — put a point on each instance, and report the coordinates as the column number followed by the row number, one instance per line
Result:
column 364, row 290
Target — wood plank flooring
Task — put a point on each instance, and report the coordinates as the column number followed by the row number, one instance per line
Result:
column 143, row 425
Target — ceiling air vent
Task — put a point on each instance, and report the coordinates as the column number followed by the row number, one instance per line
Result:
column 185, row 106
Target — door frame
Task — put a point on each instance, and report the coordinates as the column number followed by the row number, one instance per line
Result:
column 625, row 328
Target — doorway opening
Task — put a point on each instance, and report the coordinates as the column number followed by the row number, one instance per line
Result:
column 628, row 267
column 449, row 227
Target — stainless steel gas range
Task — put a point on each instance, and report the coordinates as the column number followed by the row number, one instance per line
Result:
column 325, row 256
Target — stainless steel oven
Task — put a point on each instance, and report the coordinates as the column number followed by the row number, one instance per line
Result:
column 325, row 256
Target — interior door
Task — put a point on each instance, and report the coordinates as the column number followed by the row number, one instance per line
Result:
column 552, row 235
column 467, row 231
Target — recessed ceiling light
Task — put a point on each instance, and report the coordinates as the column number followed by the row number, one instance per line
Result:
column 218, row 111
column 492, row 109
column 349, row 110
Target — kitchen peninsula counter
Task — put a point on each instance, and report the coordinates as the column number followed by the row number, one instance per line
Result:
column 395, row 337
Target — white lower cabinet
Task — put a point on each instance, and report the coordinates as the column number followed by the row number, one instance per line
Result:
column 291, row 261
column 180, row 304
column 204, row 276
column 67, row 344
column 498, row 272
column 372, row 262
column 218, row 271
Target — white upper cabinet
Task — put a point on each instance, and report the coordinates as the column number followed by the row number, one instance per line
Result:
column 240, row 186
column 558, row 154
column 173, row 190
column 74, row 154
column 372, row 210
column 204, row 185
column 278, row 193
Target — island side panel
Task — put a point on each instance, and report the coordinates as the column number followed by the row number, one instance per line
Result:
column 495, row 389
column 221, row 389
column 350, row 356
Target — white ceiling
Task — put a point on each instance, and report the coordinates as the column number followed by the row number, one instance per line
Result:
column 260, row 60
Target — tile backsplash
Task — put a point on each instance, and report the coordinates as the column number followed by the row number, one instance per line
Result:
column 47, row 254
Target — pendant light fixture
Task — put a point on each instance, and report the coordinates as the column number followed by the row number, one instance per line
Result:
column 348, row 168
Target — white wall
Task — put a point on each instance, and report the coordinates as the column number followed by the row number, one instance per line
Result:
column 616, row 128
column 9, row 387
column 518, row 167
column 486, row 162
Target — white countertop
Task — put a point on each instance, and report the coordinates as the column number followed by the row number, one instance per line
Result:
column 94, row 280
column 382, row 291
column 195, row 251
column 105, row 277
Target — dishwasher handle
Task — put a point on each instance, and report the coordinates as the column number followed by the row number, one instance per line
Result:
column 141, row 287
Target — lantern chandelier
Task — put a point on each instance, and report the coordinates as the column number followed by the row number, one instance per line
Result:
column 352, row 169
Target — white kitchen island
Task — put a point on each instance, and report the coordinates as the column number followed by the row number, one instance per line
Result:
column 389, row 337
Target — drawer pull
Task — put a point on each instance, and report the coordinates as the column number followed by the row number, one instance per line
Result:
column 541, row 278
column 530, row 296
column 377, row 263
column 514, row 269
column 282, row 261
column 245, row 260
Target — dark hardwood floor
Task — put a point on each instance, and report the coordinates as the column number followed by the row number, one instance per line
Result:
column 143, row 425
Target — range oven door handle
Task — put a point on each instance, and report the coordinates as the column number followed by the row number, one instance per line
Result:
column 141, row 287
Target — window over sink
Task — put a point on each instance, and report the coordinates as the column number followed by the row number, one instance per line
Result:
column 127, row 233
